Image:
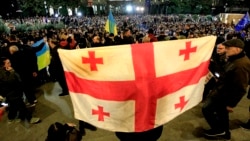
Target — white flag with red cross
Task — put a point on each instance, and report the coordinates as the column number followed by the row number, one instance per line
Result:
column 134, row 88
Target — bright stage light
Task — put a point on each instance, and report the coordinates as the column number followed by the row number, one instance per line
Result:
column 129, row 8
column 137, row 8
column 79, row 14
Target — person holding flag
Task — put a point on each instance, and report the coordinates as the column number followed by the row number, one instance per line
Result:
column 132, row 87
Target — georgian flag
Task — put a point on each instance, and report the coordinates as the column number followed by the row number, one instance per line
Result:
column 134, row 88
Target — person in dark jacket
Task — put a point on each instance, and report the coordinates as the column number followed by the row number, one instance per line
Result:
column 11, row 88
column 216, row 65
column 162, row 36
column 96, row 41
column 228, row 90
column 127, row 37
column 109, row 40
column 55, row 68
column 24, row 62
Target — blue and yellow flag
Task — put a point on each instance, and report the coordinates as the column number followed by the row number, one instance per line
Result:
column 43, row 56
column 110, row 25
column 245, row 20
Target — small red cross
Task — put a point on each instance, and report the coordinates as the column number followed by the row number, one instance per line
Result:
column 100, row 113
column 92, row 61
column 187, row 51
column 182, row 103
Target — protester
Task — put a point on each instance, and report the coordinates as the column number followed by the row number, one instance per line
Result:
column 11, row 88
column 24, row 62
column 170, row 28
column 228, row 90
column 55, row 68
column 151, row 35
column 59, row 132
column 127, row 37
column 216, row 65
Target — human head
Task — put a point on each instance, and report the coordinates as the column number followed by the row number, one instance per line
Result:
column 233, row 47
column 5, row 62
column 56, row 132
column 150, row 31
column 220, row 49
column 145, row 39
column 96, row 39
column 13, row 38
column 127, row 33
column 13, row 49
column 52, row 42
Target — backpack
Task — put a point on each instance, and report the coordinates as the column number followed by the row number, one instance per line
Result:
column 73, row 135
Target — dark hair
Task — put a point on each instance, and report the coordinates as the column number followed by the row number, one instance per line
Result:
column 150, row 31
column 13, row 37
column 2, row 59
column 82, row 43
column 111, row 35
column 53, row 41
column 56, row 132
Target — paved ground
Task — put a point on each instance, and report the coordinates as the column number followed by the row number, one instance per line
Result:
column 52, row 108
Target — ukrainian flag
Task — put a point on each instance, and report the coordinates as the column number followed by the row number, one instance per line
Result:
column 43, row 56
column 110, row 25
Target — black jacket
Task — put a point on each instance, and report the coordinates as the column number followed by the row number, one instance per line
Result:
column 127, row 40
column 24, row 61
column 232, row 86
column 10, row 85
column 55, row 66
column 217, row 64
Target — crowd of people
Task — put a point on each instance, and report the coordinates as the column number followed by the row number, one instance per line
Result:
column 19, row 71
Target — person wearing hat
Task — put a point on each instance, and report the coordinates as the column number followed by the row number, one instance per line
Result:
column 228, row 91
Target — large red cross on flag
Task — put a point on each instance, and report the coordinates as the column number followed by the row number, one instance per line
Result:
column 134, row 88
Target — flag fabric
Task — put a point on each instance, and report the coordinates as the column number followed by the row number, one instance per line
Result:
column 245, row 20
column 43, row 56
column 134, row 88
column 110, row 25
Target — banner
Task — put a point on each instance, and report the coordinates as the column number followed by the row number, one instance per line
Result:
column 110, row 25
column 134, row 88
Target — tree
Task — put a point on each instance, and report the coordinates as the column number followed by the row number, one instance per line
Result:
column 33, row 7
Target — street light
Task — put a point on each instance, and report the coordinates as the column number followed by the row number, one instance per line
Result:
column 139, row 9
column 20, row 15
column 58, row 13
column 79, row 14
column 225, row 7
column 45, row 6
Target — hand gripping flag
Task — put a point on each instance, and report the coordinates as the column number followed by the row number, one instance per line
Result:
column 110, row 25
column 245, row 20
column 43, row 56
column 134, row 88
